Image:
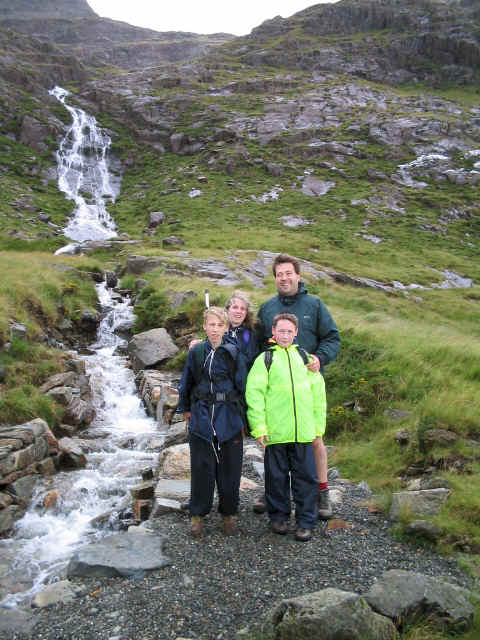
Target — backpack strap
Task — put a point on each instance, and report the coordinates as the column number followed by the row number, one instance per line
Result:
column 268, row 357
column 198, row 360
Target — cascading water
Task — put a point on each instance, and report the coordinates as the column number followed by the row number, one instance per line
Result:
column 84, row 177
column 44, row 540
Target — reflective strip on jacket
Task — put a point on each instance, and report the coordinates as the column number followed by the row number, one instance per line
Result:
column 288, row 402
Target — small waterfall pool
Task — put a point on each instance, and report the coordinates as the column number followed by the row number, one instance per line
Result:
column 45, row 539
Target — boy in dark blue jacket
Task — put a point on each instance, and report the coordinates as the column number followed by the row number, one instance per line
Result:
column 211, row 395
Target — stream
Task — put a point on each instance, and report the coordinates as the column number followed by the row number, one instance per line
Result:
column 119, row 437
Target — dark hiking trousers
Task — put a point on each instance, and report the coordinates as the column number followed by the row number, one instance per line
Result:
column 212, row 463
column 291, row 463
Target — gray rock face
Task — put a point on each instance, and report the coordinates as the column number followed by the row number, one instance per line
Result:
column 330, row 614
column 418, row 503
column 127, row 554
column 403, row 595
column 151, row 347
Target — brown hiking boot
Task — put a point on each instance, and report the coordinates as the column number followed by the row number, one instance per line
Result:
column 260, row 504
column 229, row 525
column 303, row 535
column 324, row 506
column 279, row 527
column 196, row 526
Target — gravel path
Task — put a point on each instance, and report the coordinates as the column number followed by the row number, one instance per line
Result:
column 217, row 586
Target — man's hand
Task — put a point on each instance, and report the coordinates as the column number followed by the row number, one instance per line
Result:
column 192, row 343
column 186, row 415
column 261, row 440
column 314, row 364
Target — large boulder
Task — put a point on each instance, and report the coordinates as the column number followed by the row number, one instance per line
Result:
column 405, row 596
column 127, row 554
column 327, row 615
column 418, row 503
column 151, row 348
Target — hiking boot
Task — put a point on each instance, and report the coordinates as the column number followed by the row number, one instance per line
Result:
column 303, row 535
column 324, row 506
column 196, row 526
column 229, row 525
column 260, row 504
column 279, row 527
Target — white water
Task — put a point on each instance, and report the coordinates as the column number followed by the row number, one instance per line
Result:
column 84, row 177
column 44, row 540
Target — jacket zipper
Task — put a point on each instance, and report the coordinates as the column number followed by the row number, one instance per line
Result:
column 293, row 395
column 211, row 354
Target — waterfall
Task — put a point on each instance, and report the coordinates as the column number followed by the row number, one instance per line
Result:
column 121, row 433
column 83, row 176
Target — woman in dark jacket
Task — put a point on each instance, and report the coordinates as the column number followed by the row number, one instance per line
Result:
column 241, row 326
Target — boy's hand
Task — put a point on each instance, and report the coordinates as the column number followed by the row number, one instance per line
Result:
column 193, row 342
column 314, row 364
column 186, row 415
column 261, row 440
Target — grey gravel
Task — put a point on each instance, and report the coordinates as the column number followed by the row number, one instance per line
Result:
column 217, row 586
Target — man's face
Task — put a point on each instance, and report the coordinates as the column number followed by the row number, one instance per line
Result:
column 286, row 279
column 284, row 333
column 214, row 328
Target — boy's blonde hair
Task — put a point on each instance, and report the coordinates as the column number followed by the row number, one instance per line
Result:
column 221, row 314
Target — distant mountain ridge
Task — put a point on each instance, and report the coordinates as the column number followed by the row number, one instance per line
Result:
column 73, row 27
column 27, row 9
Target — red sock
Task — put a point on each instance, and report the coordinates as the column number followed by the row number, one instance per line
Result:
column 322, row 486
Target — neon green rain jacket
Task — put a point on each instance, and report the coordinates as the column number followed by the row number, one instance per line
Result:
column 288, row 402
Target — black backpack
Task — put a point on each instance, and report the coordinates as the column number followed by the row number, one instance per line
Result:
column 268, row 356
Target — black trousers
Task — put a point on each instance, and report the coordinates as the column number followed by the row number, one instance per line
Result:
column 291, row 463
column 210, row 464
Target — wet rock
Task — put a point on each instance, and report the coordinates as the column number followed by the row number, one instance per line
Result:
column 150, row 348
column 79, row 413
column 89, row 320
column 111, row 279
column 143, row 491
column 127, row 554
column 175, row 462
column 176, row 434
column 405, row 595
column 71, row 455
column 61, row 395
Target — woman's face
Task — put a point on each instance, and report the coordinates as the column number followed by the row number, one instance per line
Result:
column 237, row 312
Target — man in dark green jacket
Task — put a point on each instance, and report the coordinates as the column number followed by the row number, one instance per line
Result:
column 317, row 334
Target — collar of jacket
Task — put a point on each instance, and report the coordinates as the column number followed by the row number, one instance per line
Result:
column 289, row 300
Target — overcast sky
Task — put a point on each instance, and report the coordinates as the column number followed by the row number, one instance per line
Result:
column 207, row 16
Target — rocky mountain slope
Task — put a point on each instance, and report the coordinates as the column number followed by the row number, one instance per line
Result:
column 393, row 41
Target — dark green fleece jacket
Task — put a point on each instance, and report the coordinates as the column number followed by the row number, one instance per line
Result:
column 317, row 332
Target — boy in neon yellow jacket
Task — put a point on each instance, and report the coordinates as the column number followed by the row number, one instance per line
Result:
column 286, row 412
